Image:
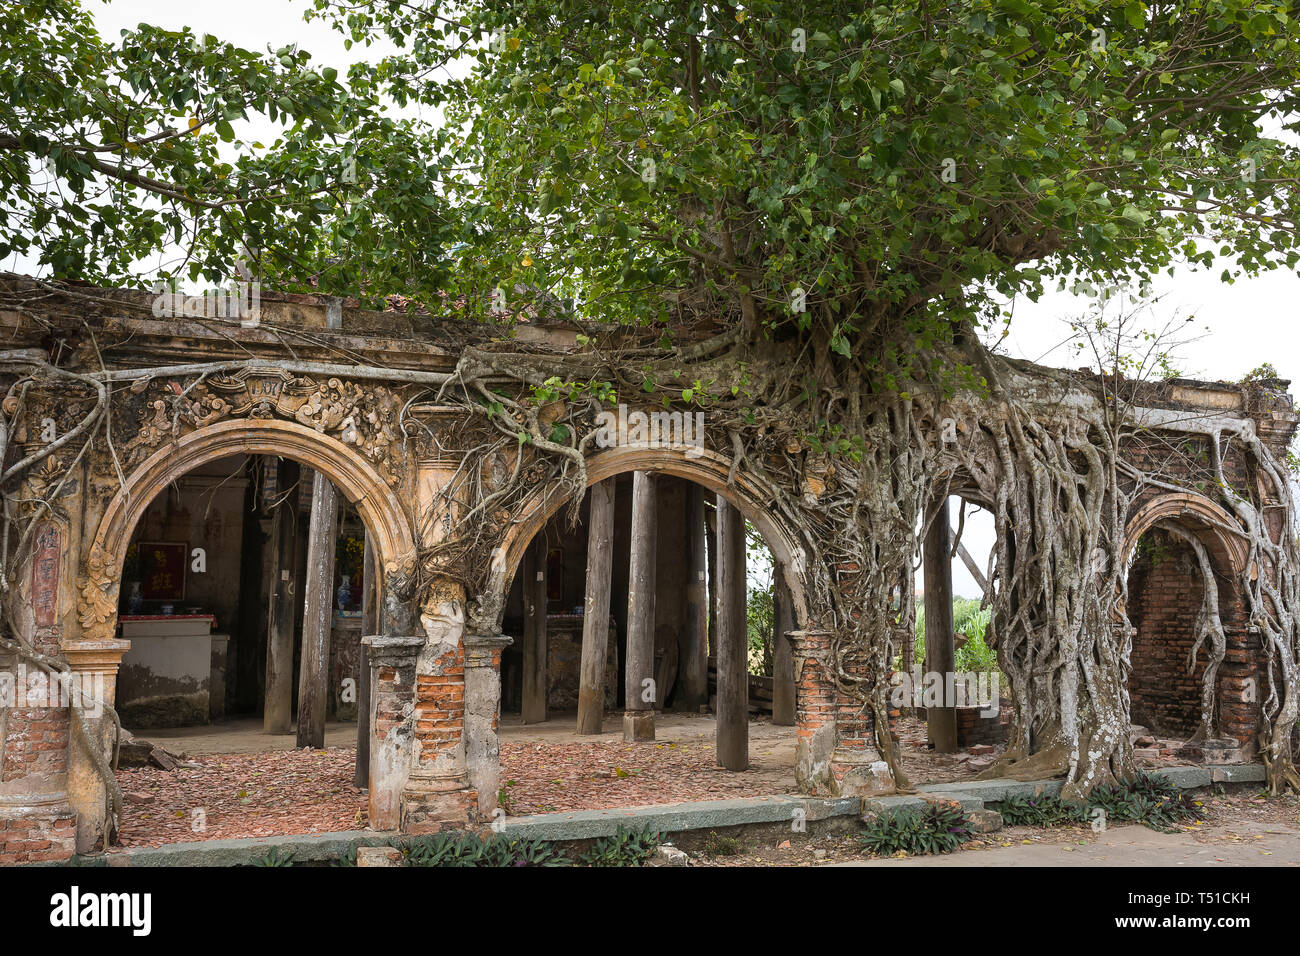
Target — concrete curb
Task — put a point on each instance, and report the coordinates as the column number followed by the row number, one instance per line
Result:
column 975, row 794
column 306, row 848
column 677, row 817
column 665, row 818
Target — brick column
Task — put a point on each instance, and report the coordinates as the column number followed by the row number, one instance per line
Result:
column 482, row 715
column 392, row 703
column 857, row 767
column 438, row 794
column 94, row 684
column 37, row 821
column 836, row 752
column 814, row 711
column 1241, row 688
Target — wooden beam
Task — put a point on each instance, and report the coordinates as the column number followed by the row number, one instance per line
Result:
column 595, row 609
column 733, row 645
column 640, row 693
column 318, row 613
column 975, row 571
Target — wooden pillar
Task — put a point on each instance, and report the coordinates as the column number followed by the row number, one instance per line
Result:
column 940, row 653
column 318, row 611
column 595, row 609
column 533, row 710
column 277, row 709
column 711, row 542
column 639, row 714
column 369, row 626
column 733, row 663
column 782, row 651
column 694, row 667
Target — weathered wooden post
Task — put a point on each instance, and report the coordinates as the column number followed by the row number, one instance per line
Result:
column 277, row 710
column 595, row 611
column 369, row 626
column 782, row 651
column 318, row 608
column 639, row 687
column 694, row 669
column 940, row 653
column 533, row 709
column 733, row 663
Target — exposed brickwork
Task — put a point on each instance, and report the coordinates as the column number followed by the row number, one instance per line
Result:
column 440, row 706
column 1165, row 595
column 36, row 836
column 392, row 693
column 36, row 742
column 974, row 728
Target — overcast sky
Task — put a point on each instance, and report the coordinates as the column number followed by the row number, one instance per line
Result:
column 1241, row 325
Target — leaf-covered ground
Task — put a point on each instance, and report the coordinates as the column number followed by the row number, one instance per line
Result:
column 546, row 777
column 223, row 796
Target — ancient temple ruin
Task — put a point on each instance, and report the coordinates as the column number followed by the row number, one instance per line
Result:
column 192, row 498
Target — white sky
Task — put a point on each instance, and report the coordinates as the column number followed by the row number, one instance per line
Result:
column 1243, row 325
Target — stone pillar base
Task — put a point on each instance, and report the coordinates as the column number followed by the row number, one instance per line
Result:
column 638, row 725
column 38, row 831
column 860, row 772
column 429, row 811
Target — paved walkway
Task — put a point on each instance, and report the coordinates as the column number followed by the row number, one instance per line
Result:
column 1261, row 845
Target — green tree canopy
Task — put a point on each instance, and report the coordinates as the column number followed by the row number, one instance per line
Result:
column 852, row 171
column 112, row 151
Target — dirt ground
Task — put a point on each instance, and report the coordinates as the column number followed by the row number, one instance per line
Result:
column 239, row 782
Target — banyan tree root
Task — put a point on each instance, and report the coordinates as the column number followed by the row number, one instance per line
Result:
column 1047, row 470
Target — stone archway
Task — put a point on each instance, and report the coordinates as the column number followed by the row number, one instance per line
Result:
column 1211, row 523
column 377, row 504
column 831, row 750
column 705, row 468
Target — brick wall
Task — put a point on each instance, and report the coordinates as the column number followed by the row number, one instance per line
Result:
column 35, row 835
column 974, row 728
column 1165, row 595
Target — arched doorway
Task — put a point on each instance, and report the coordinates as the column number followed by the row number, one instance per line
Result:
column 170, row 503
column 1188, row 679
column 544, row 564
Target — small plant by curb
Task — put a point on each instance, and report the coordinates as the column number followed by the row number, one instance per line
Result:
column 1144, row 799
column 721, row 845
column 939, row 828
